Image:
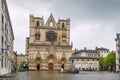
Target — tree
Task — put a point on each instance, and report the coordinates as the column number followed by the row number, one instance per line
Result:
column 103, row 63
column 22, row 65
column 109, row 62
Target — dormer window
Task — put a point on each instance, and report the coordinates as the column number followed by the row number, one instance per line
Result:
column 37, row 24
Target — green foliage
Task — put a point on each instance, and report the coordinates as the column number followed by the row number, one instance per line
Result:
column 109, row 62
column 21, row 65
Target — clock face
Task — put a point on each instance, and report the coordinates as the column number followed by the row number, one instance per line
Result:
column 51, row 36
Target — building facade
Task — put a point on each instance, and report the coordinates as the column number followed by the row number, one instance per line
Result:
column 117, row 53
column 20, row 58
column 14, row 61
column 48, row 45
column 86, row 60
column 103, row 51
column 6, row 39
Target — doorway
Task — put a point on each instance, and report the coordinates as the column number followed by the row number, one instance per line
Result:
column 62, row 66
column 38, row 66
column 50, row 66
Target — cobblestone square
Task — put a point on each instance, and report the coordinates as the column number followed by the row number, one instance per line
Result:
column 54, row 75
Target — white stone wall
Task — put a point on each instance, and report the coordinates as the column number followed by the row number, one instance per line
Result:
column 103, row 53
column 79, row 64
column 8, row 37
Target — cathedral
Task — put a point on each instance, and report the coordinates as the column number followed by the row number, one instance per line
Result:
column 48, row 45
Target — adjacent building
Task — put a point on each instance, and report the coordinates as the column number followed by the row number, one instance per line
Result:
column 103, row 51
column 86, row 60
column 14, row 61
column 20, row 58
column 6, row 39
column 117, row 39
column 48, row 45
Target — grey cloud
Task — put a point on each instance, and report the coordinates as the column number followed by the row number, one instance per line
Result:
column 100, row 18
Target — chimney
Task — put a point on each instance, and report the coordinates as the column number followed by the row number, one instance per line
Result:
column 85, row 48
column 96, row 47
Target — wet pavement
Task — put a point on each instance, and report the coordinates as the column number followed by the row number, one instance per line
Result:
column 54, row 75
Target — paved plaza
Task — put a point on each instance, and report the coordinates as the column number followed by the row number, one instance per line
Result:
column 54, row 75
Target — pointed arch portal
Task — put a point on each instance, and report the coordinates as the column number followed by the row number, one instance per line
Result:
column 51, row 59
column 63, row 62
column 38, row 60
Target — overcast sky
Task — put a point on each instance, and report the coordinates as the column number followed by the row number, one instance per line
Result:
column 93, row 22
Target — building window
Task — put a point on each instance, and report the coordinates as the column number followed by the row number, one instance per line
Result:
column 92, row 59
column 119, row 60
column 7, row 31
column 63, row 25
column 37, row 36
column 119, row 54
column 5, row 27
column 63, row 40
column 77, row 60
column 118, row 48
column 2, row 44
column 2, row 62
column 64, row 35
column 87, row 59
column 119, row 67
column 82, row 59
column 2, row 22
column 37, row 24
column 98, row 55
column 2, row 19
column 118, row 35
column 5, row 62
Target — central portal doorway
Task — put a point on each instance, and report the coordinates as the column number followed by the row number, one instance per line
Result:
column 50, row 66
column 38, row 66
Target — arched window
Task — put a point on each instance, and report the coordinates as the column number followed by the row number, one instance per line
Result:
column 63, row 25
column 37, row 24
column 51, row 24
column 37, row 36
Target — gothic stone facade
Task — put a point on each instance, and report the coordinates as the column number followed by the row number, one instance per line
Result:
column 48, row 46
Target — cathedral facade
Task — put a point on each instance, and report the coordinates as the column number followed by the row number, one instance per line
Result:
column 48, row 45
